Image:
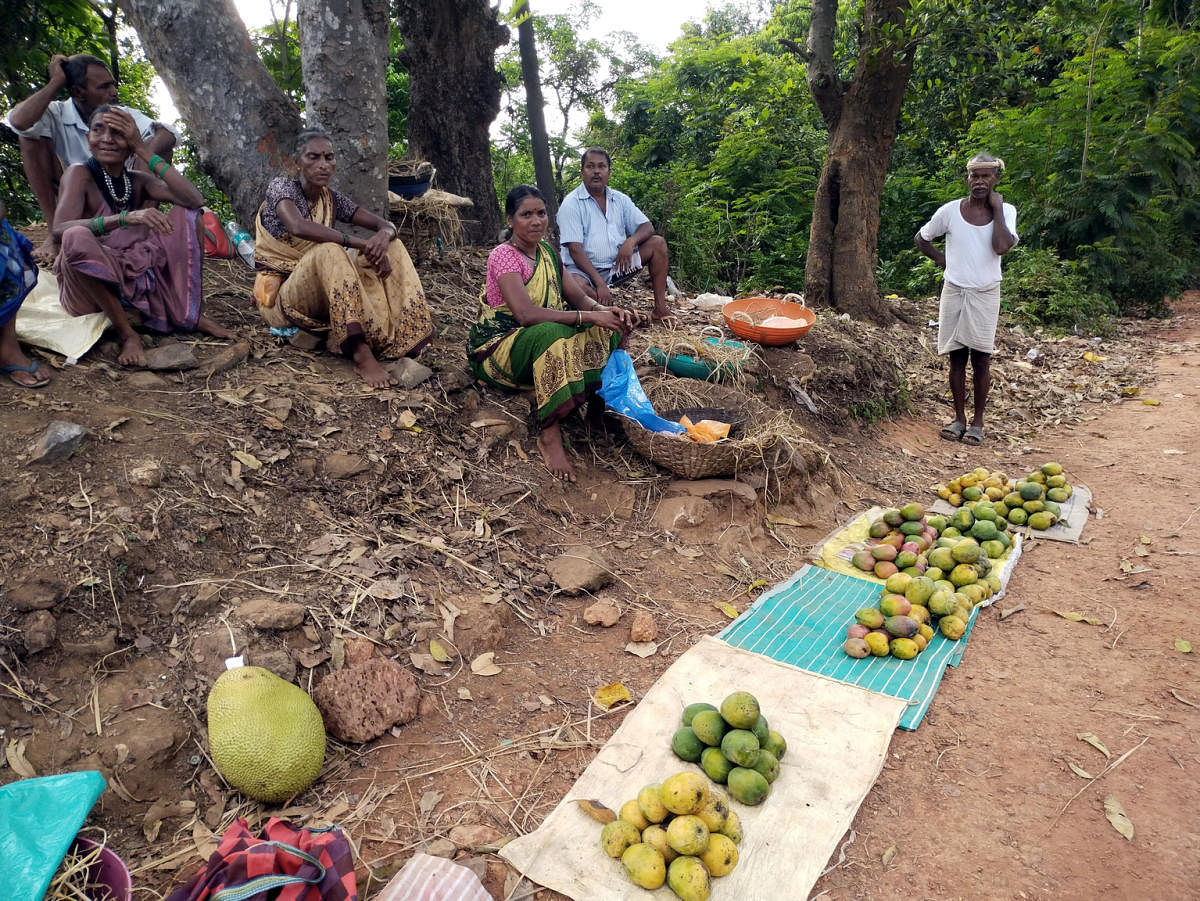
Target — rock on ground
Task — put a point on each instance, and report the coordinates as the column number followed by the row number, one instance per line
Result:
column 409, row 373
column 340, row 465
column 362, row 702
column 579, row 569
column 602, row 613
column 39, row 629
column 643, row 627
column 170, row 355
column 58, row 442
column 37, row 591
column 673, row 513
column 271, row 614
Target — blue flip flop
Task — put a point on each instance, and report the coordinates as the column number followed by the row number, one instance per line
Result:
column 31, row 369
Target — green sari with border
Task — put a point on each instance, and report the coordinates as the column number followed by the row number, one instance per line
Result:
column 560, row 363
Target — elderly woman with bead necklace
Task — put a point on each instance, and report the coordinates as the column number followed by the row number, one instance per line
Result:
column 362, row 294
column 118, row 249
column 526, row 338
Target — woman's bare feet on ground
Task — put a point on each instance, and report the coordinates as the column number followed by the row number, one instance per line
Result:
column 132, row 351
column 551, row 445
column 370, row 369
column 209, row 327
column 664, row 315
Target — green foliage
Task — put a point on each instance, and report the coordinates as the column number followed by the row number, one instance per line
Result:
column 1041, row 289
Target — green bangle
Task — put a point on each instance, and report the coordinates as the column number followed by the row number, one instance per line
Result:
column 98, row 226
column 345, row 239
column 154, row 161
column 121, row 217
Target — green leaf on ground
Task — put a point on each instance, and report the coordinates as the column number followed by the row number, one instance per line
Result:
column 1116, row 815
column 1183, row 646
column 1091, row 739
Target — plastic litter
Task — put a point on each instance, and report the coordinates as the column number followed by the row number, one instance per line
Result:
column 623, row 394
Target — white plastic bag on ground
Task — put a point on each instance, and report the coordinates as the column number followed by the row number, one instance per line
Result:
column 43, row 322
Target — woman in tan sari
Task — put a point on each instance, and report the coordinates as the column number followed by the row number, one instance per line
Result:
column 371, row 306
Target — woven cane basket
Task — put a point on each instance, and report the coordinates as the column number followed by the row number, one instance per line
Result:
column 690, row 459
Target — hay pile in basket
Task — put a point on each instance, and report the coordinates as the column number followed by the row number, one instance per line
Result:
column 766, row 438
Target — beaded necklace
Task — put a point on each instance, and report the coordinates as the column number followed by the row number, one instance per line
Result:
column 108, row 188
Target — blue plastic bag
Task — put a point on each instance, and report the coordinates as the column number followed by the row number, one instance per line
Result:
column 622, row 392
column 38, row 821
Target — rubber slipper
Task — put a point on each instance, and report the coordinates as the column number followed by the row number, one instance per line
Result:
column 973, row 436
column 41, row 382
column 953, row 431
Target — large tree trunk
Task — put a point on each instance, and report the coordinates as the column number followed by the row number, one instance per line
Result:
column 535, row 109
column 343, row 52
column 862, row 118
column 241, row 122
column 454, row 94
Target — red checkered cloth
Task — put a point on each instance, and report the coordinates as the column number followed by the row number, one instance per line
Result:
column 285, row 863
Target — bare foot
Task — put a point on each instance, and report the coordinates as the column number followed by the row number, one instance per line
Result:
column 550, row 444
column 368, row 367
column 132, row 352
column 209, row 327
column 45, row 252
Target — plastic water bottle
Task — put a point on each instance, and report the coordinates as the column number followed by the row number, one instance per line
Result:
column 241, row 242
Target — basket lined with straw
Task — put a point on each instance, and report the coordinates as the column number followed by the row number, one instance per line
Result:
column 759, row 436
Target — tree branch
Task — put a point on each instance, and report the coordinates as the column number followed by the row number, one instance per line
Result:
column 823, row 83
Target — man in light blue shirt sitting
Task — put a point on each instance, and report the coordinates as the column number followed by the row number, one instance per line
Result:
column 606, row 239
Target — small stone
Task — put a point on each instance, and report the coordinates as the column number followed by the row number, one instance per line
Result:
column 682, row 512
column 643, row 627
column 227, row 358
column 277, row 660
column 341, row 465
column 455, row 378
column 473, row 837
column 88, row 646
column 271, row 614
column 602, row 613
column 580, row 569
column 38, row 631
column 146, row 474
column 170, row 356
column 362, row 702
column 409, row 373
column 39, row 591
column 58, row 442
column 145, row 381
column 440, row 847
column 540, row 580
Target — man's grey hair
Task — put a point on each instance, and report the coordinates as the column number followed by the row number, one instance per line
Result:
column 985, row 161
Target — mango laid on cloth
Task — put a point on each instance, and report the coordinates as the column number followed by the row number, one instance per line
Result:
column 684, row 793
column 715, row 810
column 732, row 828
column 1041, row 520
column 767, row 765
column 761, row 729
column 690, row 711
column 686, row 745
column 631, row 812
column 710, row 727
column 740, row 709
column 656, row 836
column 904, row 648
column 266, row 735
column 953, row 627
column 689, row 879
column 748, row 786
column 645, row 865
column 650, row 803
column 776, row 744
column 687, row 834
column 618, row 836
column 741, row 746
column 716, row 765
column 721, row 856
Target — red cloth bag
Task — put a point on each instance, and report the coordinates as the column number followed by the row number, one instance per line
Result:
column 213, row 238
column 285, row 863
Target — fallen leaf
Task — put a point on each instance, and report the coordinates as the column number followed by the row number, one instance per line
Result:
column 387, row 589
column 485, row 664
column 1091, row 739
column 1152, row 403
column 327, row 544
column 312, row 657
column 484, row 423
column 1093, row 357
column 1140, row 551
column 407, row 419
column 1080, row 771
column 116, row 423
column 438, row 652
column 14, row 753
column 777, row 520
column 727, row 608
column 426, row 664
column 518, row 450
column 889, row 855
column 385, row 433
column 1183, row 646
column 1130, row 391
column 641, row 648
column 136, row 697
column 611, row 694
column 1078, row 617
column 248, row 460
column 1116, row 815
column 204, row 839
column 597, row 811
column 756, row 585
column 464, row 694
column 1145, row 539
column 429, row 800
column 274, row 425
column 690, row 553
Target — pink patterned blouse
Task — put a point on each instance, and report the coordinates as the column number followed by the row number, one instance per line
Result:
column 505, row 258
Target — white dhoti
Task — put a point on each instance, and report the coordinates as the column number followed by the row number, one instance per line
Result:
column 967, row 317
